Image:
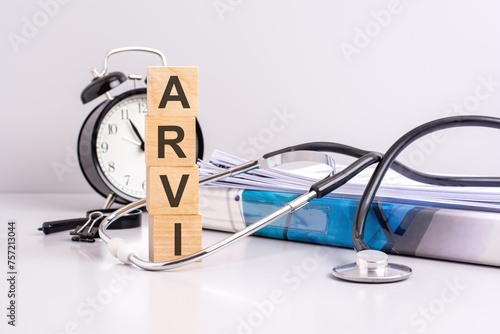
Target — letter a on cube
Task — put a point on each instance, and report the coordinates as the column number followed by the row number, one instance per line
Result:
column 173, row 91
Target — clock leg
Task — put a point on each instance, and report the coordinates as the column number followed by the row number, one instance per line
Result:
column 109, row 200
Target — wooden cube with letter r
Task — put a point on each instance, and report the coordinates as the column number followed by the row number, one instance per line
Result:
column 170, row 141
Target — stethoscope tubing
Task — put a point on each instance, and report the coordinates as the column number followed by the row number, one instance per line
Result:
column 393, row 152
column 128, row 255
column 317, row 190
column 168, row 265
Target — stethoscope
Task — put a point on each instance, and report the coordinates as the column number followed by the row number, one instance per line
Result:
column 372, row 266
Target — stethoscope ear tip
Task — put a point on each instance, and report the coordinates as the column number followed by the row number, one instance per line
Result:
column 372, row 266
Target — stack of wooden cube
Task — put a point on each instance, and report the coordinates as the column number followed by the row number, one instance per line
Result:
column 172, row 174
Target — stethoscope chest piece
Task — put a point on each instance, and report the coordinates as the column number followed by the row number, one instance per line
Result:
column 372, row 266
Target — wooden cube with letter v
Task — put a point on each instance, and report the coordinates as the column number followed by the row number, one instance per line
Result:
column 172, row 190
column 172, row 175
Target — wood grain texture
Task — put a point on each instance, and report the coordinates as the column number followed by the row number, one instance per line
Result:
column 158, row 81
column 163, row 240
column 166, row 141
column 171, row 173
column 158, row 202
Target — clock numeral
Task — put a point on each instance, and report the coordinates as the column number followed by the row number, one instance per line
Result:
column 112, row 129
column 143, row 107
column 124, row 113
column 111, row 167
column 144, row 185
column 127, row 178
column 104, row 147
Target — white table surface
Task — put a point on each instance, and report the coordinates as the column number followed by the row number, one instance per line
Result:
column 258, row 285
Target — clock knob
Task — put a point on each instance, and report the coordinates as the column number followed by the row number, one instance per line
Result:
column 101, row 85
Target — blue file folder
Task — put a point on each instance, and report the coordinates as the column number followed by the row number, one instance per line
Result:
column 401, row 228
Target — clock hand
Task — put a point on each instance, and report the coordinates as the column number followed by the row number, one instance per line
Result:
column 137, row 134
column 132, row 141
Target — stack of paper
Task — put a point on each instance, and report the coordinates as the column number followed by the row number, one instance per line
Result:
column 395, row 188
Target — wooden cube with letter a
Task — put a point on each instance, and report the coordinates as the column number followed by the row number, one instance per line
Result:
column 172, row 190
column 173, row 236
column 172, row 91
column 170, row 141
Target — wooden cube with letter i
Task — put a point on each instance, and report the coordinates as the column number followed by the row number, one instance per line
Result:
column 172, row 174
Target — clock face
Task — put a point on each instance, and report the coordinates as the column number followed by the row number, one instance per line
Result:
column 120, row 146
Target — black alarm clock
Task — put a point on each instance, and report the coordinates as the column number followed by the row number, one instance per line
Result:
column 111, row 141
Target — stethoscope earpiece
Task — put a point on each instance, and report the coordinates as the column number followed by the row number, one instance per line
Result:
column 102, row 85
column 372, row 266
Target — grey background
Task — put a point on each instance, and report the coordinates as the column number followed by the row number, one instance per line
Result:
column 255, row 58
